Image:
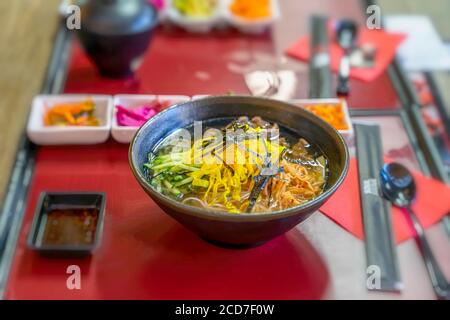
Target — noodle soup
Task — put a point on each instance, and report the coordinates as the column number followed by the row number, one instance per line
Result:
column 239, row 166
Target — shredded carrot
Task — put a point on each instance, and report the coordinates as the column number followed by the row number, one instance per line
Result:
column 293, row 187
column 71, row 114
column 331, row 113
column 251, row 9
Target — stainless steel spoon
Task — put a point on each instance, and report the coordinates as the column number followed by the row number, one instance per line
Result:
column 398, row 186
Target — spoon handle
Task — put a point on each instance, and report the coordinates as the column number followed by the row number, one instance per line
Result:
column 440, row 284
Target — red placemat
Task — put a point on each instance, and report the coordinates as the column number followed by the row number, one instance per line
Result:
column 344, row 207
column 178, row 63
column 145, row 254
column 182, row 63
column 386, row 45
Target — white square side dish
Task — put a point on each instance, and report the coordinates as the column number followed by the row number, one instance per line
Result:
column 65, row 135
column 251, row 26
column 346, row 134
column 125, row 134
column 192, row 24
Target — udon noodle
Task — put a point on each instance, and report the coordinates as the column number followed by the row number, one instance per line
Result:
column 245, row 167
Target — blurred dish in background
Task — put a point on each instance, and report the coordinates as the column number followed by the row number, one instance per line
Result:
column 196, row 8
column 197, row 16
column 201, row 16
column 251, row 16
column 251, row 9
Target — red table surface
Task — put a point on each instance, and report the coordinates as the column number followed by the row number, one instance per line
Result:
column 184, row 64
column 145, row 254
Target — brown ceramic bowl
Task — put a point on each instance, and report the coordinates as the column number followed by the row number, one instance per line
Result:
column 243, row 229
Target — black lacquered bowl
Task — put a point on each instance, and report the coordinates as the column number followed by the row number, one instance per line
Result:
column 239, row 229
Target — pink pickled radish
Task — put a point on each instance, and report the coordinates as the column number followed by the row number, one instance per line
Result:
column 134, row 117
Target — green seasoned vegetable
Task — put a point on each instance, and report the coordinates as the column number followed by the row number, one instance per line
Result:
column 196, row 8
column 168, row 173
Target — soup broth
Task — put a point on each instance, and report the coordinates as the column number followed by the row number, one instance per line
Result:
column 237, row 165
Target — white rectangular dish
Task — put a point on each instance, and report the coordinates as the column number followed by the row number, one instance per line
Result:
column 256, row 26
column 193, row 24
column 63, row 135
column 125, row 134
column 347, row 134
column 222, row 16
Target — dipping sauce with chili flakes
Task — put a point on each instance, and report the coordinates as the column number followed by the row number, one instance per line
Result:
column 70, row 226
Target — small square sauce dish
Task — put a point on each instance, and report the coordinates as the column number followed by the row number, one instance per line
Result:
column 67, row 224
column 91, row 126
column 134, row 102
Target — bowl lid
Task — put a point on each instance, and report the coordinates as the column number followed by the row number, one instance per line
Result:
column 118, row 17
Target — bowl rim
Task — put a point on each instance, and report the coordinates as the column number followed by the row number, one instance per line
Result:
column 227, row 216
column 154, row 23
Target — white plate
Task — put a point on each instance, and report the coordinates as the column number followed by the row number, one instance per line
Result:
column 124, row 134
column 58, row 135
column 251, row 26
column 346, row 134
column 192, row 24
